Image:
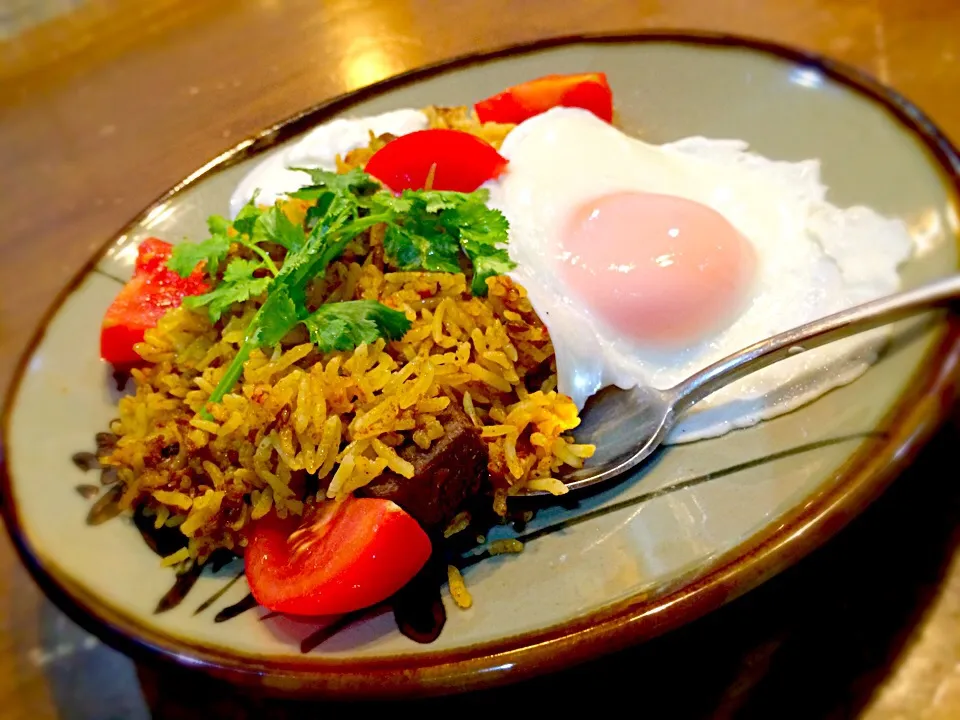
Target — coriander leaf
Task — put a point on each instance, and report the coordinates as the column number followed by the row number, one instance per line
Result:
column 218, row 225
column 437, row 200
column 238, row 285
column 337, row 197
column 318, row 211
column 402, row 248
column 470, row 215
column 386, row 202
column 345, row 325
column 186, row 256
column 309, row 192
column 250, row 230
column 482, row 233
column 480, row 196
column 273, row 225
column 415, row 238
column 278, row 316
column 355, row 181
column 242, row 271
column 436, row 225
column 247, row 217
column 213, row 250
column 417, row 246
column 487, row 261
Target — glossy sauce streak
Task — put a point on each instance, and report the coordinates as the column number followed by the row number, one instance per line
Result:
column 163, row 540
column 120, row 379
column 418, row 607
column 230, row 612
column 218, row 594
column 320, row 636
column 421, row 619
column 183, row 584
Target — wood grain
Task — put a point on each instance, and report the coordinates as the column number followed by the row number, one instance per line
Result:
column 104, row 107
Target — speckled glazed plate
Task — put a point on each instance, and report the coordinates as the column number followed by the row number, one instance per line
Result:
column 702, row 524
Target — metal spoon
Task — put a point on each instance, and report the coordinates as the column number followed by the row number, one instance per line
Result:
column 628, row 425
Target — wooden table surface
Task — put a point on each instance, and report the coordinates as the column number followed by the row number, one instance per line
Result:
column 104, row 104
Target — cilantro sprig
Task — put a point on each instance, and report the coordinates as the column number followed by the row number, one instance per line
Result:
column 345, row 325
column 428, row 229
column 436, row 225
column 425, row 230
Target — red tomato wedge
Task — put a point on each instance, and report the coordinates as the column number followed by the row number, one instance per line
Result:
column 589, row 91
column 153, row 290
column 347, row 556
column 452, row 159
column 152, row 256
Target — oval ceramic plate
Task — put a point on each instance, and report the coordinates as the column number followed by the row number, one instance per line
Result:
column 700, row 525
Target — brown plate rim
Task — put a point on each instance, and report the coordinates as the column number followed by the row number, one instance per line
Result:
column 908, row 426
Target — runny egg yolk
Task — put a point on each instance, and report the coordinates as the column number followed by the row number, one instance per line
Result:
column 661, row 269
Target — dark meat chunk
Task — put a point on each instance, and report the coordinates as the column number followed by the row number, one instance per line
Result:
column 451, row 472
column 534, row 378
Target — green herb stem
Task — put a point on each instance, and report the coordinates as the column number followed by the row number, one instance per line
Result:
column 264, row 255
column 233, row 373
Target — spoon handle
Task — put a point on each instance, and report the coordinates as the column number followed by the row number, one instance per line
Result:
column 814, row 334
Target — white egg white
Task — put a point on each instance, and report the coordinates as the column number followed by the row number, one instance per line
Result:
column 813, row 259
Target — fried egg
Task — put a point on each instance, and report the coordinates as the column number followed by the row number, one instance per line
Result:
column 647, row 263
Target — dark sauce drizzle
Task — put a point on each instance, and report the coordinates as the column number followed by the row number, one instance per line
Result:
column 321, row 635
column 218, row 594
column 181, row 586
column 231, row 611
column 120, row 379
column 417, row 608
column 163, row 540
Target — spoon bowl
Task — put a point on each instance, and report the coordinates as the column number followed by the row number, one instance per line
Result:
column 626, row 426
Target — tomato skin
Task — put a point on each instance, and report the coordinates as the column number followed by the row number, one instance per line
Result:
column 152, row 291
column 348, row 556
column 152, row 256
column 117, row 338
column 589, row 91
column 463, row 162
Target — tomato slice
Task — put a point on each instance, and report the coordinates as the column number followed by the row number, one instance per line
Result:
column 153, row 290
column 456, row 160
column 152, row 256
column 349, row 555
column 589, row 91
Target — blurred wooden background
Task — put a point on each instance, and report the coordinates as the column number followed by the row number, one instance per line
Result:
column 104, row 104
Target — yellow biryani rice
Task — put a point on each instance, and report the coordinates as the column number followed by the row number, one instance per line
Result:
column 299, row 418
